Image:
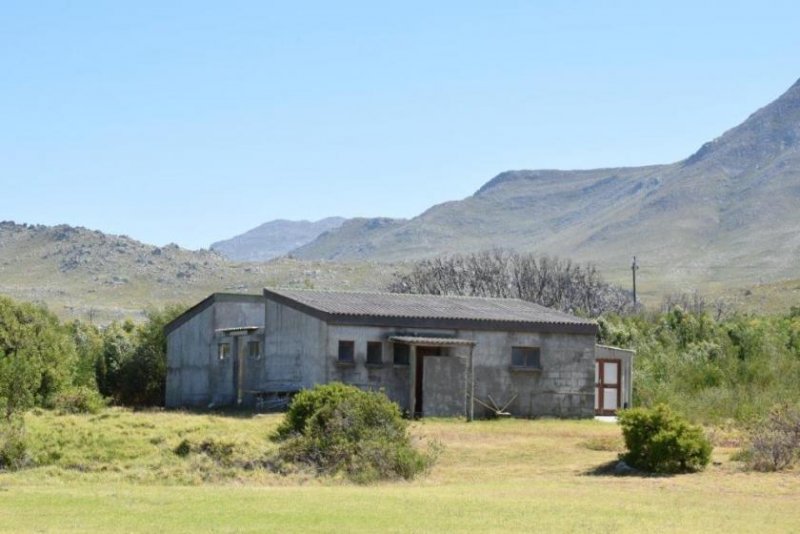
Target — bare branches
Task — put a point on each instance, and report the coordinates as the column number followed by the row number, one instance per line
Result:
column 552, row 282
column 696, row 303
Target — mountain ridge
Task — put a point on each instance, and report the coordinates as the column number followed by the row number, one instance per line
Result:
column 726, row 213
column 87, row 274
column 274, row 238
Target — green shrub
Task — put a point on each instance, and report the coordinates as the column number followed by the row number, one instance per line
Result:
column 774, row 440
column 13, row 444
column 183, row 449
column 37, row 357
column 340, row 429
column 734, row 367
column 80, row 399
column 306, row 403
column 660, row 441
column 221, row 452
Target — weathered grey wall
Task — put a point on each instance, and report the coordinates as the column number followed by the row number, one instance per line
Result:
column 299, row 351
column 444, row 383
column 188, row 361
column 392, row 379
column 294, row 345
column 564, row 387
column 222, row 383
column 195, row 374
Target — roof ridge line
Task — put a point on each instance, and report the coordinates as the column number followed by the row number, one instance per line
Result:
column 387, row 293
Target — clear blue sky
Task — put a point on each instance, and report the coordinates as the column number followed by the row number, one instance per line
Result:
column 194, row 121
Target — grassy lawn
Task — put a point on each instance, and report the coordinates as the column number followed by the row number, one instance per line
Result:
column 117, row 472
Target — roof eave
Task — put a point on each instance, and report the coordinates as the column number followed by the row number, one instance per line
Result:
column 462, row 324
column 205, row 303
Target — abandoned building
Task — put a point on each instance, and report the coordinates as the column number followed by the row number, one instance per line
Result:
column 433, row 355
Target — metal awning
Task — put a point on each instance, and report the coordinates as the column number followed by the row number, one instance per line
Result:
column 237, row 329
column 433, row 341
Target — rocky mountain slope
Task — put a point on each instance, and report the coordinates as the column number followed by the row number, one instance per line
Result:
column 727, row 215
column 274, row 238
column 91, row 275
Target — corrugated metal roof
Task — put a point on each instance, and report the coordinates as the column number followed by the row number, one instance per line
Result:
column 430, row 307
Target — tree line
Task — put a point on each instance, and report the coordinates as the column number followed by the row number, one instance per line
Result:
column 48, row 363
column 712, row 367
column 556, row 283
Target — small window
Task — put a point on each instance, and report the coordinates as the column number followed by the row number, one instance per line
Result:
column 254, row 350
column 374, row 352
column 527, row 357
column 347, row 351
column 224, row 351
column 401, row 354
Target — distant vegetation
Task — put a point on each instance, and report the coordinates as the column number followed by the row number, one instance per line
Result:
column 74, row 367
column 552, row 282
column 710, row 369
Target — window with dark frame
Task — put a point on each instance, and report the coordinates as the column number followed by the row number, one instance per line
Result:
column 374, row 352
column 526, row 357
column 223, row 351
column 347, row 351
column 254, row 350
column 402, row 354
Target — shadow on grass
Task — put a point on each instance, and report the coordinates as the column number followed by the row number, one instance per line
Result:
column 612, row 469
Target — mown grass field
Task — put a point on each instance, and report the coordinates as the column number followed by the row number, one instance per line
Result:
column 117, row 472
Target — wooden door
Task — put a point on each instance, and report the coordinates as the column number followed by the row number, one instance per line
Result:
column 607, row 386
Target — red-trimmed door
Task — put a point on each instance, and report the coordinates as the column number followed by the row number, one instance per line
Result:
column 607, row 386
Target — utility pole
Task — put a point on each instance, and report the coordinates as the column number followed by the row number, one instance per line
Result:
column 634, row 268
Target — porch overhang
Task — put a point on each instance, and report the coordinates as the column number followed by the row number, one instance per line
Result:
column 237, row 330
column 421, row 341
column 469, row 374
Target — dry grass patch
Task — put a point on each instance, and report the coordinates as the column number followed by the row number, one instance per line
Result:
column 508, row 475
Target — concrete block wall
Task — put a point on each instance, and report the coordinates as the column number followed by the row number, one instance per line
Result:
column 564, row 386
column 294, row 345
column 388, row 377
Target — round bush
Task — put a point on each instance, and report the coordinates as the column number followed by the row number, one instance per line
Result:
column 660, row 441
column 340, row 429
column 80, row 399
